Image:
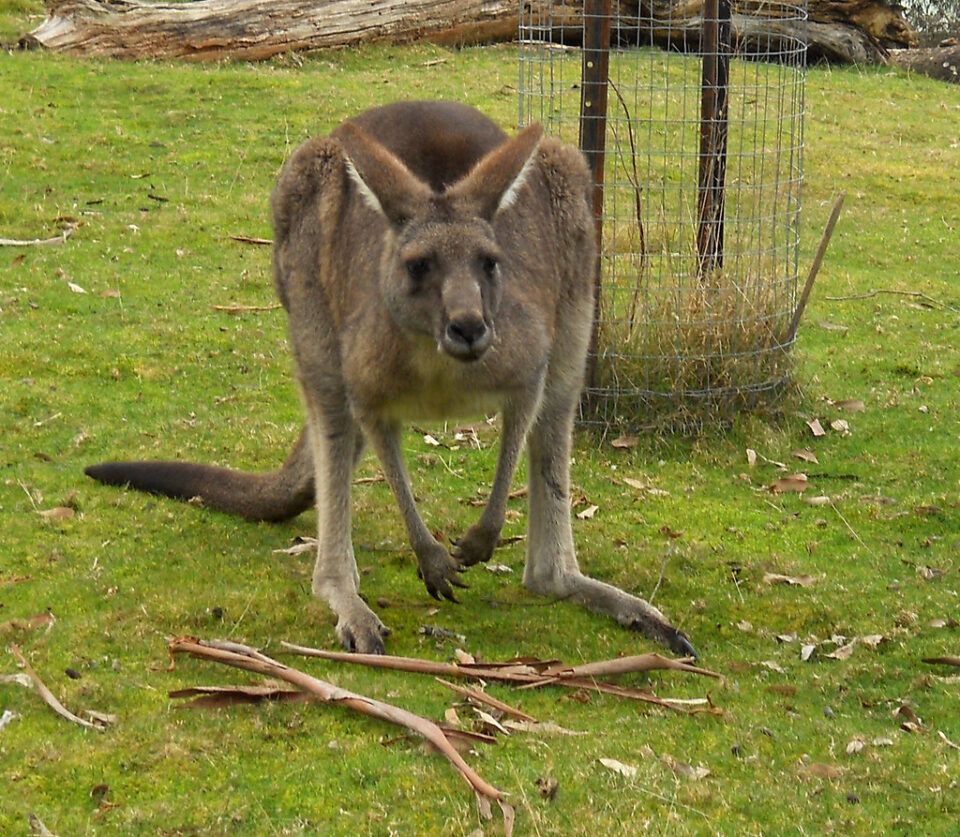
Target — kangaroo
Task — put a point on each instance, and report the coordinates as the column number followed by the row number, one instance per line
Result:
column 430, row 267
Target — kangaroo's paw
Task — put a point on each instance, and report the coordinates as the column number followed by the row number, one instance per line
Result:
column 476, row 546
column 439, row 572
column 361, row 630
column 629, row 611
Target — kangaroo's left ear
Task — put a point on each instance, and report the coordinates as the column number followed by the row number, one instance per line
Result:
column 493, row 183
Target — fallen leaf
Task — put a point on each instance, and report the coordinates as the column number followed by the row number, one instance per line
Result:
column 947, row 741
column 76, row 288
column 498, row 569
column 668, row 532
column 873, row 640
column 816, row 428
column 792, row 580
column 855, row 745
column 844, row 652
column 806, row 652
column 827, row 326
column 820, row 770
column 850, row 405
column 588, row 513
column 622, row 442
column 640, row 486
column 773, row 666
column 819, row 500
column 626, row 770
column 215, row 697
column 685, row 771
column 540, row 727
column 430, row 440
column 806, row 456
column 490, row 722
column 751, row 457
column 842, row 426
column 942, row 661
column 547, row 786
column 58, row 513
column 795, row 482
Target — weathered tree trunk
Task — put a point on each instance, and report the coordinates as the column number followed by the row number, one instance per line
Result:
column 942, row 63
column 257, row 29
column 839, row 30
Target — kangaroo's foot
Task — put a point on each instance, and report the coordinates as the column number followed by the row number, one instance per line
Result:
column 439, row 572
column 476, row 546
column 630, row 611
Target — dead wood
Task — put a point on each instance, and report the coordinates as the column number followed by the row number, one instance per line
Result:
column 49, row 697
column 942, row 63
column 249, row 659
column 38, row 242
column 839, row 30
column 532, row 674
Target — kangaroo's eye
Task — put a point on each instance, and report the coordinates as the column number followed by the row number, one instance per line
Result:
column 417, row 270
column 489, row 266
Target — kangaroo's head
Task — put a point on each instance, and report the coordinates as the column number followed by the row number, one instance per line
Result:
column 440, row 272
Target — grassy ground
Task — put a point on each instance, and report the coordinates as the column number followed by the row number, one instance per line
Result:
column 159, row 164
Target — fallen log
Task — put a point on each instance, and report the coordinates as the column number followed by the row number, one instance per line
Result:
column 941, row 63
column 851, row 31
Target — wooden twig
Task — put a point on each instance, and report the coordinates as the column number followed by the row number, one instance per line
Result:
column 815, row 267
column 482, row 697
column 246, row 309
column 246, row 239
column 250, row 659
column 38, row 242
column 933, row 303
column 526, row 674
column 49, row 697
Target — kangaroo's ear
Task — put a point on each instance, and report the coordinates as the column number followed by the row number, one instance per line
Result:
column 493, row 183
column 384, row 182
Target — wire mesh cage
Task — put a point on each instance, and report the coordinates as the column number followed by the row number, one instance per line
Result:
column 692, row 118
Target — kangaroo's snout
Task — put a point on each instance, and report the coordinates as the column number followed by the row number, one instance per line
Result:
column 467, row 337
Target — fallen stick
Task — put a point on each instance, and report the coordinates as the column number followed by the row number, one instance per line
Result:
column 526, row 674
column 250, row 659
column 38, row 242
column 815, row 267
column 49, row 697
column 480, row 696
column 246, row 239
column 246, row 309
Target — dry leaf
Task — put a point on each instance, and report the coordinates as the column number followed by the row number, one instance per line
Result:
column 795, row 482
column 873, row 640
column 626, row 770
column 490, row 722
column 430, row 440
column 751, row 457
column 844, row 652
column 588, row 513
column 819, row 500
column 76, row 288
column 806, row 456
column 855, row 745
column 773, row 666
column 686, row 771
column 816, row 428
column 842, row 426
column 58, row 513
column 820, row 770
column 668, row 532
column 947, row 741
column 540, row 727
column 622, row 442
column 806, row 652
column 792, row 580
column 640, row 486
column 942, row 661
column 850, row 405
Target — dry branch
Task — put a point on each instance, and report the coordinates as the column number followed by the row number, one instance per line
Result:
column 38, row 242
column 838, row 30
column 531, row 674
column 49, row 697
column 249, row 659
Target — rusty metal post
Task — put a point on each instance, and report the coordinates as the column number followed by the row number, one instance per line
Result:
column 593, row 128
column 715, row 47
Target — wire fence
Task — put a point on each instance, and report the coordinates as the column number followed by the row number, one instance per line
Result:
column 702, row 165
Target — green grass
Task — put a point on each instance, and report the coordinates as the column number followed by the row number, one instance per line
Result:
column 143, row 365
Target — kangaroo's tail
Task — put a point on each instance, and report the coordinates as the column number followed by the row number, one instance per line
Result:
column 277, row 495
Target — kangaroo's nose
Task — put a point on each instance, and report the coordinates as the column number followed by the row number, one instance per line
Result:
column 467, row 337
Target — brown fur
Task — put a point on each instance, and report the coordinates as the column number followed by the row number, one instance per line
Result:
column 430, row 268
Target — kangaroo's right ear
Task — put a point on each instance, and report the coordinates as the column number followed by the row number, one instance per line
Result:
column 384, row 182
